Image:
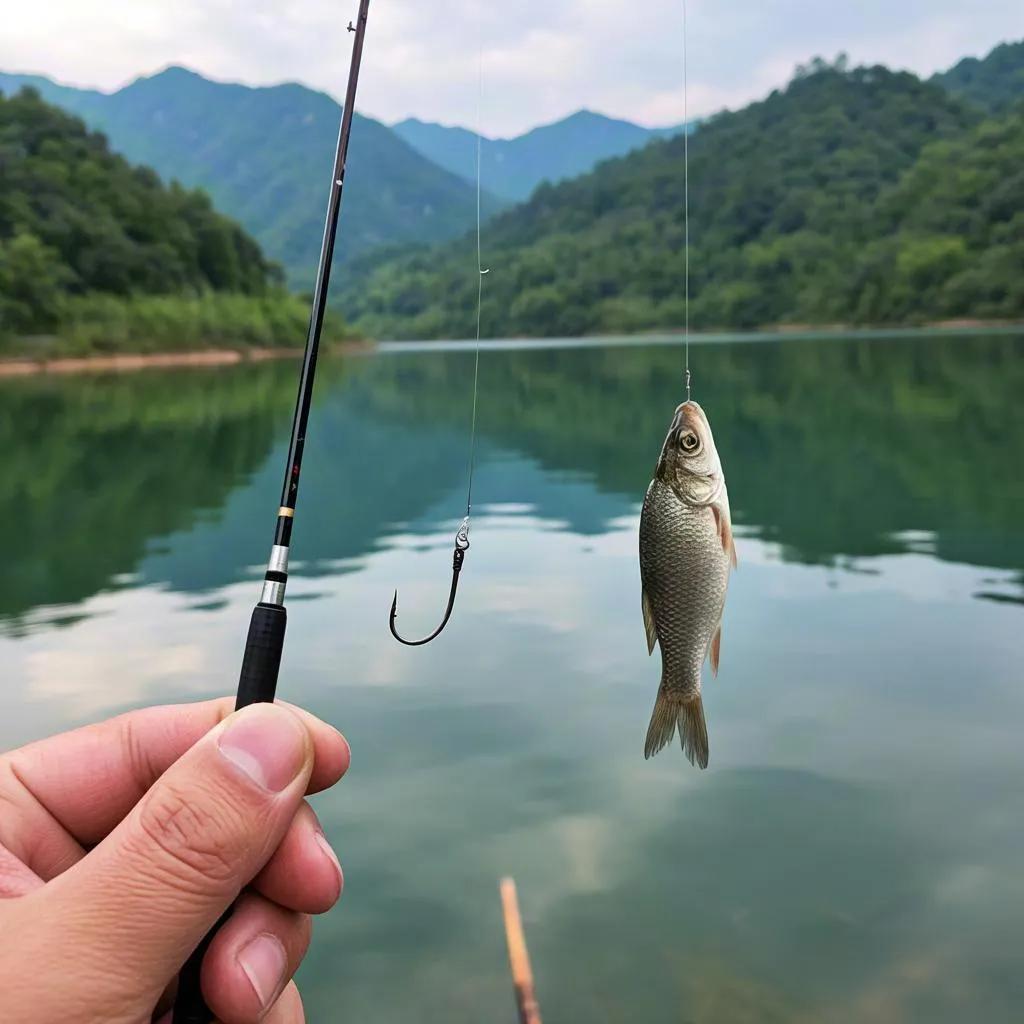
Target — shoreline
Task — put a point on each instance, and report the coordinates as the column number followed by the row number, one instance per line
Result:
column 130, row 362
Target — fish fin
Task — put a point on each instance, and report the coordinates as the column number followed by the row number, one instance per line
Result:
column 688, row 716
column 716, row 649
column 652, row 633
column 663, row 725
column 693, row 732
column 724, row 528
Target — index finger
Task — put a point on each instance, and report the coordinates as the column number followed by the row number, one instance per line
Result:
column 90, row 778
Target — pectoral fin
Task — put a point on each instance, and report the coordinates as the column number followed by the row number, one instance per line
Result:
column 716, row 649
column 652, row 633
column 724, row 528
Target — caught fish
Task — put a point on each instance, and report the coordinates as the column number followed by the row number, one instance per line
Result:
column 686, row 550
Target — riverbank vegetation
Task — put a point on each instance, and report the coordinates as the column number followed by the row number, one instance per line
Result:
column 97, row 255
column 854, row 196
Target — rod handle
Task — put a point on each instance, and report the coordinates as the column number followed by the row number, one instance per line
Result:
column 257, row 684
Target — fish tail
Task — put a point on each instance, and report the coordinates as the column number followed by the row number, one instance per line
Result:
column 663, row 725
column 693, row 731
column 671, row 713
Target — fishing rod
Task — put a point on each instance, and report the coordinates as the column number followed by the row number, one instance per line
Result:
column 261, row 662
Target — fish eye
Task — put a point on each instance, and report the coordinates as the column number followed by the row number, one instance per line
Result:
column 690, row 441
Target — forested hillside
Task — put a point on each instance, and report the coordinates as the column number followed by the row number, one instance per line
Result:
column 994, row 83
column 855, row 196
column 94, row 247
column 265, row 155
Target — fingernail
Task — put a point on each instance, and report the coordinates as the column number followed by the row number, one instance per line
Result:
column 268, row 744
column 264, row 961
column 324, row 845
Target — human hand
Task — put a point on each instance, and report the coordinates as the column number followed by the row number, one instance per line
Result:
column 122, row 844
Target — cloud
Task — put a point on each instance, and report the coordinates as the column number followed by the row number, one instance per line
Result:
column 542, row 58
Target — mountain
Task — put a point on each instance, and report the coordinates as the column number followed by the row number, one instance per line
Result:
column 265, row 156
column 858, row 195
column 994, row 83
column 513, row 168
column 100, row 225
column 97, row 253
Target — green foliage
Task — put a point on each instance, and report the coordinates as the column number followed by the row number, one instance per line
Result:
column 31, row 285
column 954, row 230
column 114, row 227
column 159, row 323
column 854, row 196
column 265, row 156
column 994, row 83
column 97, row 255
column 100, row 323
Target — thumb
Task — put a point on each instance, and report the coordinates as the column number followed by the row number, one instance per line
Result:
column 141, row 901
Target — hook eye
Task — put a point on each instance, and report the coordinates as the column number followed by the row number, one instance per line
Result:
column 462, row 537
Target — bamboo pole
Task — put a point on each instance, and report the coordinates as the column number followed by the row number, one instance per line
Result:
column 518, row 957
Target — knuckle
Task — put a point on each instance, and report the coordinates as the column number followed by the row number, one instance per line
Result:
column 190, row 837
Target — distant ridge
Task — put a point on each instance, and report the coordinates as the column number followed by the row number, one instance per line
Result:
column 856, row 196
column 513, row 168
column 264, row 154
column 994, row 83
column 261, row 154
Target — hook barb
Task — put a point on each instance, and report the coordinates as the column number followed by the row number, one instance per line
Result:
column 458, row 557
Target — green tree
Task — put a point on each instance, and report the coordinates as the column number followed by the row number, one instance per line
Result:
column 854, row 195
column 101, row 255
column 115, row 228
column 31, row 285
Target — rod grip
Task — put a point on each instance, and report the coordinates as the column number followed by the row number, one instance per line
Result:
column 257, row 684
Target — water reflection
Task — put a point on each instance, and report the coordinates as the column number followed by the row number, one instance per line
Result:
column 839, row 450
column 853, row 851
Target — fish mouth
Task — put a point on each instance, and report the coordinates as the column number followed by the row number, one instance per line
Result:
column 689, row 415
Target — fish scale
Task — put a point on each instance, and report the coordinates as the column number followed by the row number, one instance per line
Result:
column 685, row 573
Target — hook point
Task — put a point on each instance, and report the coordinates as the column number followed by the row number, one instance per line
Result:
column 461, row 543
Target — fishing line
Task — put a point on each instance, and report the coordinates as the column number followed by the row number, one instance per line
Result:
column 479, row 271
column 462, row 536
column 686, row 204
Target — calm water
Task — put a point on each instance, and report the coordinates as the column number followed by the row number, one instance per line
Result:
column 854, row 852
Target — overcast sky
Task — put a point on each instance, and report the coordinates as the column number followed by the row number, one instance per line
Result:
column 542, row 58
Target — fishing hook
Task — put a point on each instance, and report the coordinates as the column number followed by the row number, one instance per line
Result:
column 458, row 557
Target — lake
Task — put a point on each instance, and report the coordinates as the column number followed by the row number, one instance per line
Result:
column 854, row 851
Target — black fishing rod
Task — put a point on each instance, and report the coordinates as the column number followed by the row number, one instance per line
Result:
column 262, row 660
